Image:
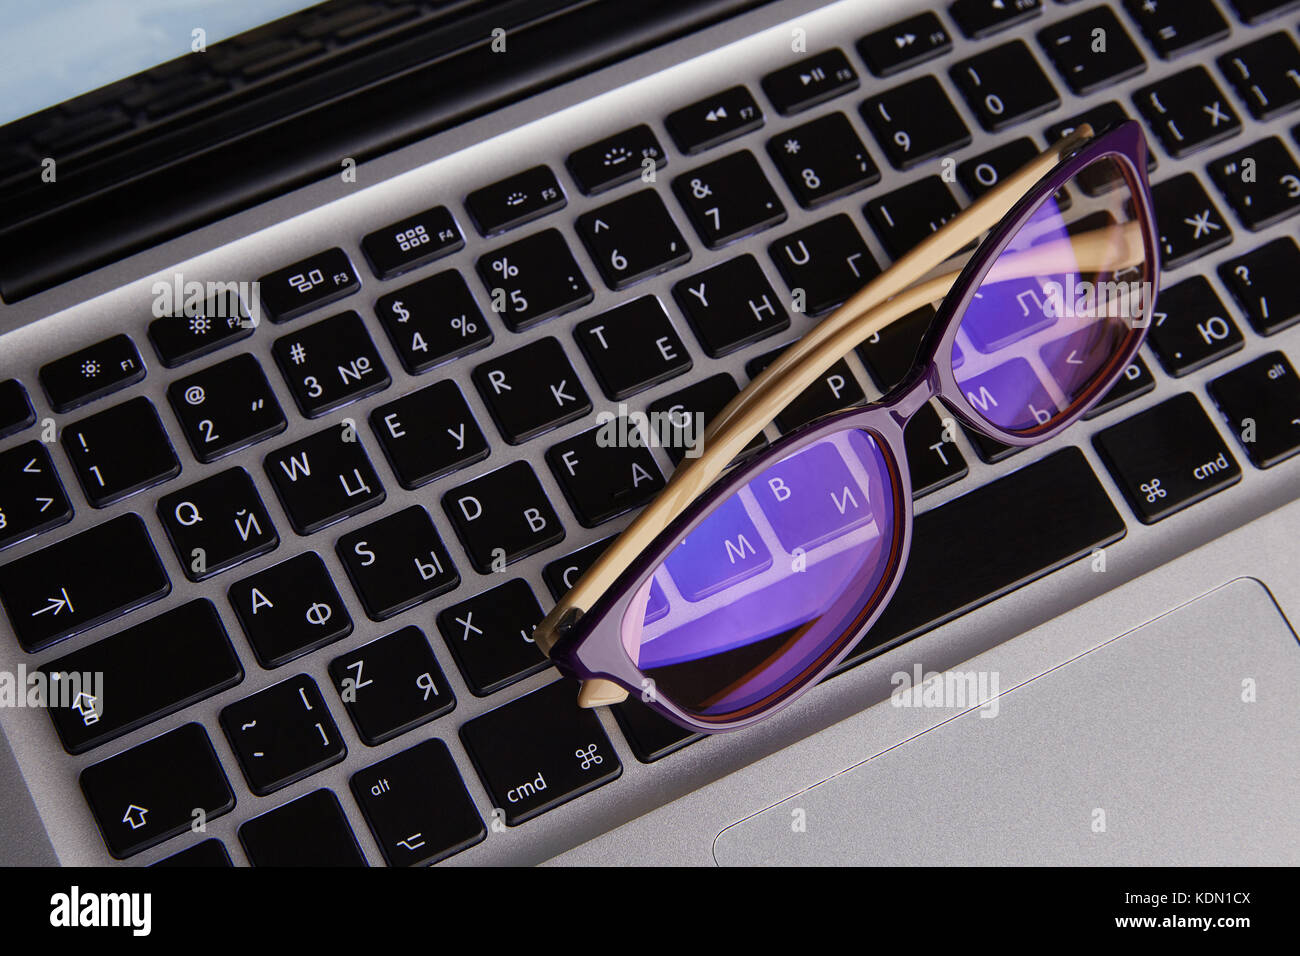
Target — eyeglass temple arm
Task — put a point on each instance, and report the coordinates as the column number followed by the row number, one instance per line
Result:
column 883, row 300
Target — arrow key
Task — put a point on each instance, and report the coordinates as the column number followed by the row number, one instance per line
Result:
column 32, row 499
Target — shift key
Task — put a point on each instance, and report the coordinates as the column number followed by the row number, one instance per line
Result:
column 72, row 585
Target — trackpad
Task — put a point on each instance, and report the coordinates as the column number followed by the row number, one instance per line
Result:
column 1177, row 743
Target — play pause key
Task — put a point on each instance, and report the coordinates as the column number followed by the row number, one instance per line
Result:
column 1167, row 458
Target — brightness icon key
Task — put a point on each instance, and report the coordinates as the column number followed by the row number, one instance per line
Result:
column 91, row 373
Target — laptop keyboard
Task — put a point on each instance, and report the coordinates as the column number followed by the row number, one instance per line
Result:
column 421, row 374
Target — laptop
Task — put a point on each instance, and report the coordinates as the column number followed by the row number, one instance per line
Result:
column 310, row 316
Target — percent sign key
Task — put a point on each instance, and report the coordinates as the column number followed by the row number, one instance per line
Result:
column 433, row 321
column 533, row 279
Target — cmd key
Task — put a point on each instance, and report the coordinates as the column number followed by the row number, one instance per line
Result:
column 539, row 751
column 1167, row 457
column 148, row 674
column 150, row 793
column 71, row 585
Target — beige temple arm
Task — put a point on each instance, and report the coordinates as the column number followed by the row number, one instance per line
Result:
column 890, row 296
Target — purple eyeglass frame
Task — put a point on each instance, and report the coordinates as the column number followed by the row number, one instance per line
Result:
column 592, row 646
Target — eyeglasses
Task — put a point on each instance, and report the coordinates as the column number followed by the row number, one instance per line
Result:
column 730, row 595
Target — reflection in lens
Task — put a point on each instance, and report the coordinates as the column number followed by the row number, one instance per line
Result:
column 1058, row 305
column 771, row 583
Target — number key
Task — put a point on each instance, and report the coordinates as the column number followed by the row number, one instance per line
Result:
column 533, row 279
column 728, row 199
column 1004, row 86
column 120, row 451
column 914, row 122
column 822, row 160
column 226, row 407
column 632, row 239
column 330, row 364
column 433, row 321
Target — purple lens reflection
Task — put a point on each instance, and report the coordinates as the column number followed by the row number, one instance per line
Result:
column 773, row 581
column 1057, row 307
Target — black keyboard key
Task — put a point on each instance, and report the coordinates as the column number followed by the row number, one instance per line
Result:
column 834, row 390
column 1187, row 111
column 282, row 734
column 730, row 305
column 330, row 364
column 412, row 242
column 502, row 517
column 990, row 541
column 120, row 451
column 914, row 122
column 1072, row 45
column 824, row 264
column 602, row 474
column 417, row 807
column 308, row 832
column 540, row 751
column 989, row 450
column 491, row 636
column 891, row 353
column 690, row 410
column 226, row 407
column 433, row 321
column 1258, row 11
column 981, row 18
column 1188, row 222
column 71, row 585
column 289, row 609
column 1263, row 283
column 180, row 337
column 516, row 200
column 397, row 562
column 217, row 524
column 1271, row 190
column 905, row 44
column 531, row 390
column 632, row 347
column 822, row 160
column 617, row 159
column 933, row 458
column 308, row 284
column 1190, row 328
column 632, row 239
column 209, row 853
column 1261, row 403
column 324, row 478
column 813, row 80
column 1265, row 74
column 531, row 280
column 150, row 793
column 428, row 434
column 728, row 199
column 32, row 499
column 91, row 373
column 1004, row 86
column 981, row 173
column 150, row 670
column 563, row 573
column 650, row 736
column 1167, row 457
column 1136, row 380
column 1100, row 178
column 905, row 216
column 15, row 408
column 391, row 685
column 714, row 120
column 1175, row 27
